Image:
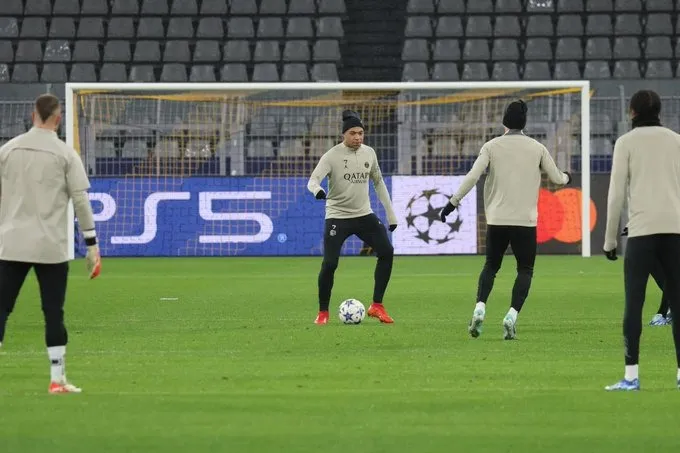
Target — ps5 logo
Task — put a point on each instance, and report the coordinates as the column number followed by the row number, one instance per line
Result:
column 205, row 210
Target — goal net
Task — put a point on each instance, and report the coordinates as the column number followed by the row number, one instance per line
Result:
column 221, row 169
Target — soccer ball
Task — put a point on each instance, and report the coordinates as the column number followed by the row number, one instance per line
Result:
column 351, row 311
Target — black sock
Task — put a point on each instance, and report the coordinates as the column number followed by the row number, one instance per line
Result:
column 383, row 271
column 520, row 290
column 485, row 284
column 323, row 306
column 3, row 323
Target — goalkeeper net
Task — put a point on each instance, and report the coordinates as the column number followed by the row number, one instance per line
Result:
column 213, row 169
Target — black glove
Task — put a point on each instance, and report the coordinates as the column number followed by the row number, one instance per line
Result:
column 320, row 195
column 448, row 209
column 393, row 227
column 611, row 255
column 624, row 232
column 568, row 176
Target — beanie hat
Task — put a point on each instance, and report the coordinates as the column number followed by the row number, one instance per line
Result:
column 350, row 119
column 515, row 116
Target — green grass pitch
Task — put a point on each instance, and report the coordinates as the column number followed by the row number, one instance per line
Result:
column 234, row 364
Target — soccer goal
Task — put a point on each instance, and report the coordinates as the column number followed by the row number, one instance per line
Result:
column 220, row 169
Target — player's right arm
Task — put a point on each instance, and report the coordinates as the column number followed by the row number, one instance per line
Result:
column 77, row 184
column 549, row 166
column 323, row 169
column 471, row 178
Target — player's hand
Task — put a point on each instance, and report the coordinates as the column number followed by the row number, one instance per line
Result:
column 93, row 260
column 448, row 209
column 320, row 195
column 624, row 232
column 393, row 227
column 611, row 254
column 568, row 176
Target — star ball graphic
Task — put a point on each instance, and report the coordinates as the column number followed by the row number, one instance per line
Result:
column 422, row 214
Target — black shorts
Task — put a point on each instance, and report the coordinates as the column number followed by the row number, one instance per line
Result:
column 368, row 228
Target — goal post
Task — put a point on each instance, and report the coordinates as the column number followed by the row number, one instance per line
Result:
column 227, row 163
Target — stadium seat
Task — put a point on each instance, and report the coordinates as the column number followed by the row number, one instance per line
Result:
column 415, row 50
column 25, row 73
column 124, row 7
column 295, row 72
column 420, row 7
column 537, row 70
column 113, row 72
column 210, row 27
column 174, row 72
column 83, row 72
column 12, row 7
column 243, row 7
column 62, row 28
column 627, row 24
column 57, row 50
column 54, row 73
column 598, row 49
column 332, row 7
column 450, row 27
column 445, row 71
column 267, row 51
column 507, row 26
column 569, row 6
column 508, row 6
column 4, row 74
column 418, row 27
column 626, row 69
column 324, row 72
column 142, row 73
column 180, row 27
column 299, row 27
column 628, row 6
column 451, row 7
column 539, row 26
column 658, row 69
column 415, row 72
column 202, row 73
column 28, row 51
column 505, row 70
column 33, row 27
column 207, row 51
column 296, row 50
column 6, row 52
column 184, row 8
column 240, row 27
column 237, row 51
column 273, row 7
column 659, row 5
column 569, row 25
column 265, row 72
column 326, row 50
column 658, row 24
column 475, row 71
column 150, row 28
column 596, row 69
column 478, row 26
column 86, row 51
column 177, row 52
column 627, row 47
column 9, row 27
column 446, row 50
column 567, row 70
column 233, row 72
column 568, row 49
column 91, row 27
column 479, row 6
column 476, row 49
column 260, row 148
column 121, row 28
column 301, row 7
column 37, row 8
column 147, row 51
column 330, row 27
column 599, row 24
column 270, row 27
column 505, row 50
column 214, row 8
column 599, row 5
column 658, row 47
column 154, row 7
column 117, row 51
column 538, row 49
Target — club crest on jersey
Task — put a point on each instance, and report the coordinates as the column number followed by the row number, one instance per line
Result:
column 357, row 178
column 366, row 164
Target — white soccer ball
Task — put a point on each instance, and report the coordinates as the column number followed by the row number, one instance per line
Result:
column 351, row 311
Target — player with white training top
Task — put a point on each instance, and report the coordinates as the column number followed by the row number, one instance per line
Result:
column 39, row 174
column 349, row 166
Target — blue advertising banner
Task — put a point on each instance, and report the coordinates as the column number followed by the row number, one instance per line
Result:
column 219, row 216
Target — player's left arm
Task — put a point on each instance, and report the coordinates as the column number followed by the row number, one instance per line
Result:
column 616, row 197
column 469, row 181
column 383, row 194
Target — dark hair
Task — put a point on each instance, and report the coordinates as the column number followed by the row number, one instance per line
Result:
column 645, row 103
column 46, row 105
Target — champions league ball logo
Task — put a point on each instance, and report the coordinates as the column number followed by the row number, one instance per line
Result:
column 422, row 215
